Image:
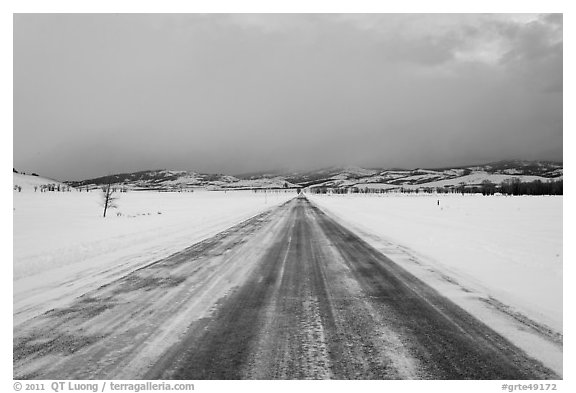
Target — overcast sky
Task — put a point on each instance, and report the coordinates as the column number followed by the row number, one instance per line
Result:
column 98, row 94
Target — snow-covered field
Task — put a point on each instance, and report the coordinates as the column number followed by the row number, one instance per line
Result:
column 63, row 246
column 509, row 246
column 506, row 251
column 498, row 257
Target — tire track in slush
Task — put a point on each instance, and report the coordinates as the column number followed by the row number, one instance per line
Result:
column 273, row 319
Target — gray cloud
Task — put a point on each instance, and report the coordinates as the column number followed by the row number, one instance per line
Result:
column 230, row 93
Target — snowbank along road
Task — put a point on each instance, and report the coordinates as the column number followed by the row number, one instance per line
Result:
column 287, row 294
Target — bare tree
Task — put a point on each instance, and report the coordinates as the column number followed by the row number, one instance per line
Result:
column 108, row 198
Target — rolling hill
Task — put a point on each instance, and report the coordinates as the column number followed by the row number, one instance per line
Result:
column 169, row 180
column 497, row 172
column 28, row 182
column 334, row 177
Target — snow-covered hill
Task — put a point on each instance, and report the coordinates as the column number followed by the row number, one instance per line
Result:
column 170, row 180
column 28, row 182
column 498, row 172
column 335, row 177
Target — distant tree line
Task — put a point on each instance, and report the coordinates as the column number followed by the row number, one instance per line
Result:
column 512, row 186
column 47, row 187
column 53, row 187
column 515, row 186
column 536, row 187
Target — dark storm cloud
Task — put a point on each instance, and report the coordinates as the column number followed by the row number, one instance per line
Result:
column 230, row 93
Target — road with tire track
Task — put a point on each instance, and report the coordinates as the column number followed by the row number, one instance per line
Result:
column 289, row 294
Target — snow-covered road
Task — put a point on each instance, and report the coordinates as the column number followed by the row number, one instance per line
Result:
column 290, row 293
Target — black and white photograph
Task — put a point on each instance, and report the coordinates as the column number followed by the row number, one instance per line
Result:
column 287, row 196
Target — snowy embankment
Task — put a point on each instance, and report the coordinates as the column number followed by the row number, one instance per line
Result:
column 28, row 182
column 63, row 247
column 498, row 257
